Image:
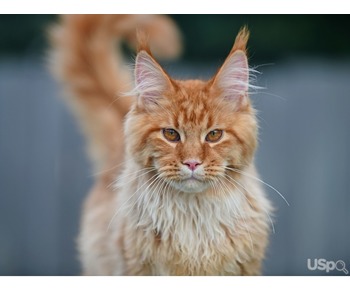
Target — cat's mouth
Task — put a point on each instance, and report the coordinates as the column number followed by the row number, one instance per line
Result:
column 192, row 178
column 191, row 184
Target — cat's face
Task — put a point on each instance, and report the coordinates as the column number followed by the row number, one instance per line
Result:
column 190, row 131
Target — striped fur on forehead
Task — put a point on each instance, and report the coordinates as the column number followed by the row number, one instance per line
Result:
column 192, row 104
column 196, row 104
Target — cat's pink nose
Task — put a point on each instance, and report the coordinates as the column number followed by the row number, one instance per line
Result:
column 191, row 164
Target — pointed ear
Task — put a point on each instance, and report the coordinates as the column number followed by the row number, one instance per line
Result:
column 151, row 80
column 232, row 78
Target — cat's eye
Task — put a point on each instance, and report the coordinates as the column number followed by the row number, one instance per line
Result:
column 171, row 135
column 214, row 136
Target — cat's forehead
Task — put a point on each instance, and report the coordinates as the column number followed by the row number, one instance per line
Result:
column 194, row 105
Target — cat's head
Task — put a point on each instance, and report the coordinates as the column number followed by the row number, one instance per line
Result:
column 191, row 130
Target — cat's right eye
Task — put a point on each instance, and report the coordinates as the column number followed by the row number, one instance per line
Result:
column 171, row 135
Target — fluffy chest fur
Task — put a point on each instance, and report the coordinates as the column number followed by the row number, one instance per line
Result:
column 174, row 233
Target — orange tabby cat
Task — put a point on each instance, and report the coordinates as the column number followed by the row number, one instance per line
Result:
column 181, row 161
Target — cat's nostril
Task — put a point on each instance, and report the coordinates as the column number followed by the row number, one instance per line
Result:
column 192, row 164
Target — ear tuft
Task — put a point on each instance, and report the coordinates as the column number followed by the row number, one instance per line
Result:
column 241, row 40
column 233, row 76
column 143, row 42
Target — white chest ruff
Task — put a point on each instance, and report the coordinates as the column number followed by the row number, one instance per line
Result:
column 193, row 230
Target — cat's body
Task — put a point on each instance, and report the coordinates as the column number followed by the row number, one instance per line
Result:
column 185, row 201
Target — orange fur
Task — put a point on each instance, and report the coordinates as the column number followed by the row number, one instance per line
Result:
column 94, row 75
column 164, row 218
column 241, row 40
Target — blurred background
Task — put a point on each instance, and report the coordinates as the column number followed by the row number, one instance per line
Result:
column 304, row 115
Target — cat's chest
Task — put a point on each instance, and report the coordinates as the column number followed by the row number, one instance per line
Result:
column 198, row 238
column 195, row 251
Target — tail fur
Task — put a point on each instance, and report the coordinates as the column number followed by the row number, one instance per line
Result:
column 86, row 57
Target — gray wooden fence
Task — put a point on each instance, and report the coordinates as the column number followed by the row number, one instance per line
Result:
column 304, row 153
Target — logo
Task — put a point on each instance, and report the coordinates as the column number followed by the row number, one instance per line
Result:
column 324, row 265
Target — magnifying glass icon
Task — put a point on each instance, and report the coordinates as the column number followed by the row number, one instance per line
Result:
column 340, row 266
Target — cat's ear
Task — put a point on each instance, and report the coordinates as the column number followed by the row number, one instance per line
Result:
column 232, row 78
column 151, row 80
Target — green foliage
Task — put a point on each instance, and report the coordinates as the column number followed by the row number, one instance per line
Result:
column 210, row 37
column 23, row 34
column 272, row 36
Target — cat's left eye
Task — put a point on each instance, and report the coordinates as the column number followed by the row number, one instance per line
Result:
column 214, row 136
column 171, row 135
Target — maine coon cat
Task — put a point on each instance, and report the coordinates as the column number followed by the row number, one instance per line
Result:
column 175, row 192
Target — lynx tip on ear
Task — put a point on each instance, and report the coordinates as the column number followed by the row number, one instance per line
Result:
column 143, row 42
column 241, row 40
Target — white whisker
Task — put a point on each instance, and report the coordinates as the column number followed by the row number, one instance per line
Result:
column 118, row 184
column 234, row 182
column 239, row 213
column 116, row 213
column 112, row 168
column 253, row 177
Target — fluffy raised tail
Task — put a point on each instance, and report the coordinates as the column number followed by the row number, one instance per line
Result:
column 86, row 57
